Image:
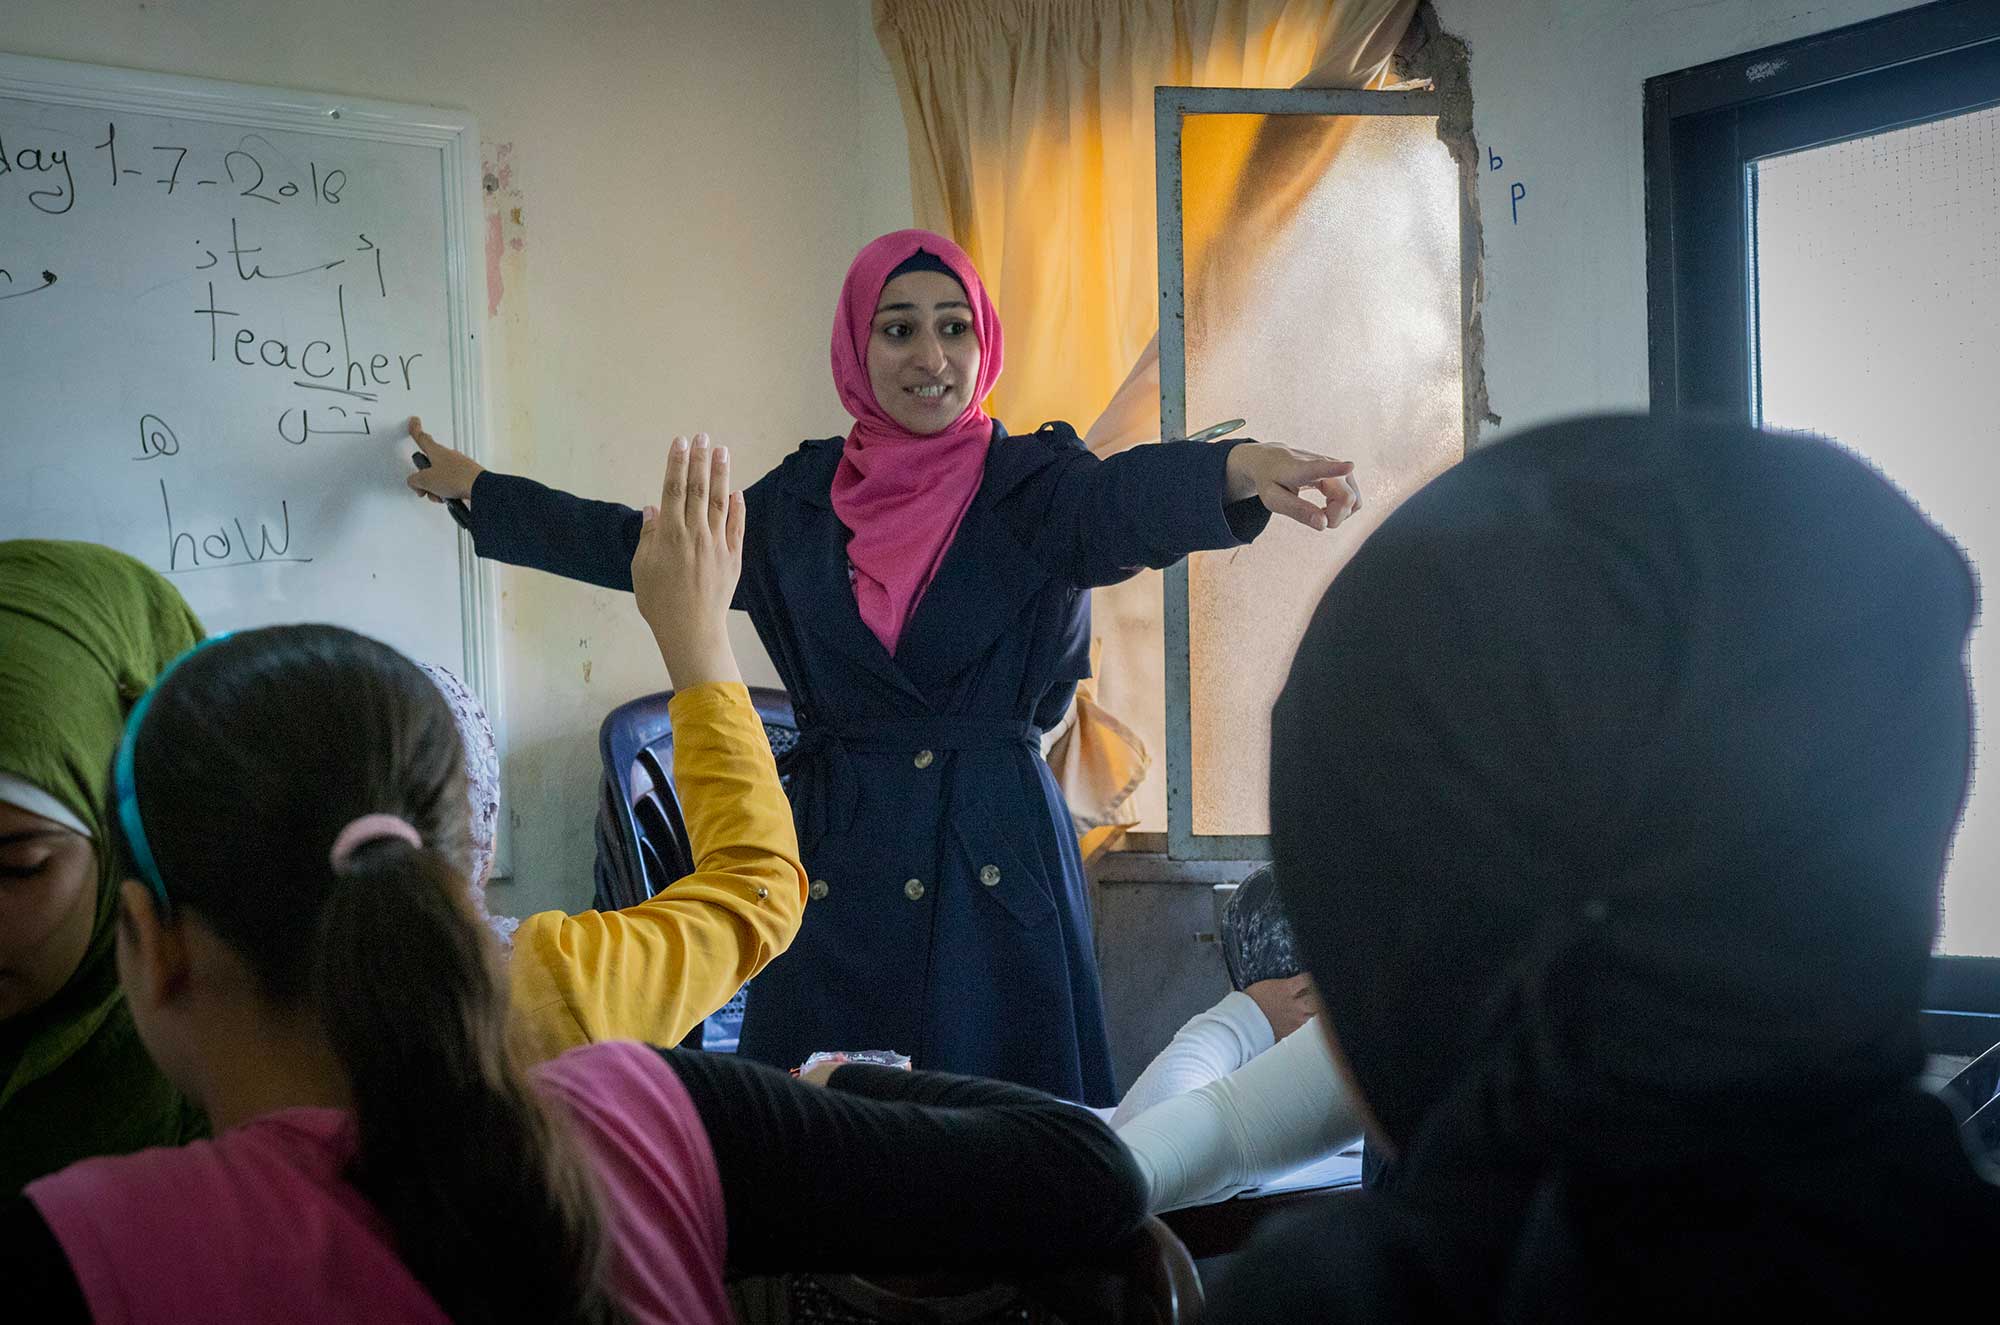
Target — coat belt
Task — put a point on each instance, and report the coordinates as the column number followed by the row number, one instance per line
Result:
column 826, row 787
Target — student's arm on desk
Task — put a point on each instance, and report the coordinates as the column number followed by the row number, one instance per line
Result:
column 651, row 972
column 889, row 1171
column 1282, row 1110
column 1211, row 1045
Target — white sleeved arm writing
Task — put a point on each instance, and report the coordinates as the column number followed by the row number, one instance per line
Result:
column 1211, row 1046
column 1280, row 1112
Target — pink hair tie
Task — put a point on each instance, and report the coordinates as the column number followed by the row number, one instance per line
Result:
column 371, row 828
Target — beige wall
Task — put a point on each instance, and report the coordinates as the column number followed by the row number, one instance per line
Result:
column 1557, row 93
column 692, row 177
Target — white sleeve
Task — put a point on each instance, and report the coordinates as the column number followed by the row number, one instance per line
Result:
column 1211, row 1046
column 1281, row 1112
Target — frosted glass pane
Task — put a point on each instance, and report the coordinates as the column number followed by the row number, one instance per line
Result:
column 1340, row 336
column 1878, row 321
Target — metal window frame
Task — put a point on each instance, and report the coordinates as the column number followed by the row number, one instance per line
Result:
column 1704, row 127
column 1171, row 107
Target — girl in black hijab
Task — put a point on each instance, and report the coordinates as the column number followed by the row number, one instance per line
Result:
column 1619, row 887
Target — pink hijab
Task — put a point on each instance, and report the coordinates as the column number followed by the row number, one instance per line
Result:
column 902, row 495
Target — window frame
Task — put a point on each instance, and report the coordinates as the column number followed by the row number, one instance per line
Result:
column 1704, row 126
column 1171, row 107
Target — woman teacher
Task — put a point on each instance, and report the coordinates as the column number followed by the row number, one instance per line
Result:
column 922, row 585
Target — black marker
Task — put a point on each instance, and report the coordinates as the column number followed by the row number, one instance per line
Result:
column 457, row 507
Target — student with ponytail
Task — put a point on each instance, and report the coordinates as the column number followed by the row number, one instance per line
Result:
column 299, row 956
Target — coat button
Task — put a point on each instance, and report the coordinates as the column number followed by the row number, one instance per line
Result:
column 989, row 875
column 762, row 892
column 818, row 889
column 923, row 759
column 914, row 890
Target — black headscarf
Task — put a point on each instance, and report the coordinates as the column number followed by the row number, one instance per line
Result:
column 922, row 260
column 1611, row 790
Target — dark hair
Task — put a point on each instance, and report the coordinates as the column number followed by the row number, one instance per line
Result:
column 1257, row 941
column 256, row 752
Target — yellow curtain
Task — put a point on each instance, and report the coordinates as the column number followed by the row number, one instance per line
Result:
column 1099, row 762
column 1031, row 143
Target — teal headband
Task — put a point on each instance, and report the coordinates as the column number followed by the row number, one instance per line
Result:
column 125, row 783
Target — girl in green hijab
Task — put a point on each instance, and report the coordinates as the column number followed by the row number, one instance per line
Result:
column 83, row 631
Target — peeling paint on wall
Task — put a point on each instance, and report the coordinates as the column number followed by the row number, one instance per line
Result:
column 496, row 284
column 504, row 233
column 1430, row 53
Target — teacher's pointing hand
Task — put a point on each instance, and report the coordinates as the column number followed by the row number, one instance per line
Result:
column 1280, row 476
column 451, row 473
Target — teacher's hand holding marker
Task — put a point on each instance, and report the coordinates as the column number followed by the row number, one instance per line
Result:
column 442, row 474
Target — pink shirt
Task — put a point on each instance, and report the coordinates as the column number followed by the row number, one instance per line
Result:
column 258, row 1225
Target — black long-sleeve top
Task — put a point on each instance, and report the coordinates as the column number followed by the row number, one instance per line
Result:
column 883, row 1171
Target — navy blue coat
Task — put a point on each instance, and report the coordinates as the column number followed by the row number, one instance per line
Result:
column 948, row 918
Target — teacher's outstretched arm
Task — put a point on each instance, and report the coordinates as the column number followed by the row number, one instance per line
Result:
column 1098, row 521
column 523, row 523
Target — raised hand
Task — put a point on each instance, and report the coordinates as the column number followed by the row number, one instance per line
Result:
column 689, row 557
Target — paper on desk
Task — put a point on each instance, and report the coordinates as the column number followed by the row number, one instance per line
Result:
column 1339, row 1169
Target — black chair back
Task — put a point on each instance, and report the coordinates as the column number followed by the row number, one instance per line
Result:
column 642, row 840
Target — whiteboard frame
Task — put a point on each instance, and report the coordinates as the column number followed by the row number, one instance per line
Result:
column 455, row 135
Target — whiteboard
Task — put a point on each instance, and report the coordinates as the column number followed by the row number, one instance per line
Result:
column 219, row 305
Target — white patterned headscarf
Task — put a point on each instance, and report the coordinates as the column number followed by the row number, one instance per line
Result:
column 482, row 786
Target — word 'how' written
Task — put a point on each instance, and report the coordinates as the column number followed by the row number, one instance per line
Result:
column 220, row 549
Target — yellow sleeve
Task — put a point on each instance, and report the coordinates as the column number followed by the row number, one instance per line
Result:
column 651, row 972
